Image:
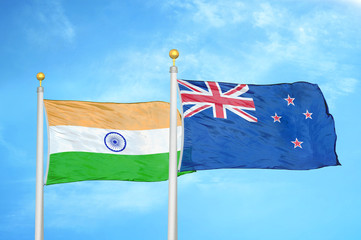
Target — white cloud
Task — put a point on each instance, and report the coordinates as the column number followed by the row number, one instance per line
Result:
column 354, row 2
column 212, row 13
column 13, row 152
column 348, row 85
column 22, row 213
column 218, row 13
column 133, row 76
column 268, row 15
column 338, row 87
column 82, row 205
column 300, row 41
column 96, row 200
column 52, row 22
column 303, row 41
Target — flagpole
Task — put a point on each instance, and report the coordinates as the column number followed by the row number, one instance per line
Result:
column 173, row 169
column 39, row 197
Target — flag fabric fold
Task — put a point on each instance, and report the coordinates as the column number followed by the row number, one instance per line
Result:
column 108, row 141
column 281, row 126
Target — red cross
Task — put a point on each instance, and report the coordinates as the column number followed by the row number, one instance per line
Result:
column 217, row 99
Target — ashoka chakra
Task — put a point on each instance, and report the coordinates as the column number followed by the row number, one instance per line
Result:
column 115, row 142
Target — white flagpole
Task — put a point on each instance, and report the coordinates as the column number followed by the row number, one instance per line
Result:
column 173, row 169
column 39, row 197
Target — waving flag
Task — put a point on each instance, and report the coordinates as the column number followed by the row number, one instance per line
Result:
column 108, row 141
column 283, row 126
column 214, row 98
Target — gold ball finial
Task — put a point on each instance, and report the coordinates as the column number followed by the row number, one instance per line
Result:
column 173, row 54
column 40, row 76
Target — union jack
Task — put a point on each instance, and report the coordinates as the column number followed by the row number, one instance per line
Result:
column 214, row 98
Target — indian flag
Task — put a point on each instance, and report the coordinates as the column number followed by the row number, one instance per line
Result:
column 108, row 141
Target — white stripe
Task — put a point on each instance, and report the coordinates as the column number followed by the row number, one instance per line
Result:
column 86, row 139
column 237, row 93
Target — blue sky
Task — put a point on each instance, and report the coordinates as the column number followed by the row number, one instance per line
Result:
column 118, row 51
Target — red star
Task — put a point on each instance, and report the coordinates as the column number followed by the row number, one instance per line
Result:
column 308, row 114
column 276, row 118
column 297, row 143
column 289, row 100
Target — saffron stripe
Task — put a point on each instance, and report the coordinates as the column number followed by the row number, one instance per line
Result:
column 125, row 116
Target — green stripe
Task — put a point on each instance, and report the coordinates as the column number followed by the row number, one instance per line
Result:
column 81, row 166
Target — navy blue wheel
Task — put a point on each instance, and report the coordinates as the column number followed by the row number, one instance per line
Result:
column 115, row 142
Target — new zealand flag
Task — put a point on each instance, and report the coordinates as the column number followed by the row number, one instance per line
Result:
column 281, row 126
